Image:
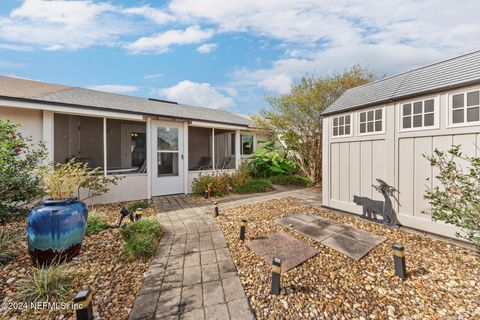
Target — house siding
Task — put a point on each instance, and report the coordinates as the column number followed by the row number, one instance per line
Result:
column 351, row 164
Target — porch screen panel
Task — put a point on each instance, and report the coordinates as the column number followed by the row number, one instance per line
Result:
column 224, row 149
column 126, row 147
column 199, row 149
column 80, row 138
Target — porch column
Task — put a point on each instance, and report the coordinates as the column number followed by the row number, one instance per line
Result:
column 104, row 146
column 48, row 135
column 186, row 165
column 238, row 158
column 150, row 153
column 213, row 148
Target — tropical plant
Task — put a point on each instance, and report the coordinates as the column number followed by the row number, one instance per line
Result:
column 457, row 200
column 255, row 186
column 63, row 180
column 268, row 161
column 19, row 159
column 141, row 239
column 295, row 118
column 292, row 180
column 47, row 283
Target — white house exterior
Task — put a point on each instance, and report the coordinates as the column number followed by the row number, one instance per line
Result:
column 158, row 147
column 383, row 129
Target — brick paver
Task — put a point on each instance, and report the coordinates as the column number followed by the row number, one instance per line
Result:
column 192, row 275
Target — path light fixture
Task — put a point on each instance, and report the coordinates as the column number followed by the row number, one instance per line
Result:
column 399, row 261
column 83, row 303
column 215, row 209
column 276, row 271
column 243, row 227
column 205, row 194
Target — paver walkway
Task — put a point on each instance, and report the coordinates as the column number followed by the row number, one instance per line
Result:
column 192, row 275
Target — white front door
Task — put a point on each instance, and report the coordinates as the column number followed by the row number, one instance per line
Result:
column 167, row 146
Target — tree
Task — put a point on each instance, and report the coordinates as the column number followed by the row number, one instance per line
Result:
column 19, row 160
column 295, row 118
column 457, row 200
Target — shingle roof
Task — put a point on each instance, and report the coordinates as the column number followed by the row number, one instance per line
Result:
column 75, row 96
column 443, row 75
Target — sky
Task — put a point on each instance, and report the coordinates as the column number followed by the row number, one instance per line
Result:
column 225, row 54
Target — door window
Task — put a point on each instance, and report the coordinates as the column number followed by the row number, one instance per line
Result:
column 167, row 151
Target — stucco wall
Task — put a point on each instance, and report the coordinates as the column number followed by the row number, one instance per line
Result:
column 351, row 164
column 31, row 121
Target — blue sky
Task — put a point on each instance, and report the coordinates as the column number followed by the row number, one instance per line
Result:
column 224, row 54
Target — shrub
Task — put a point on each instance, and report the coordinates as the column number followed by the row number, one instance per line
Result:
column 457, row 201
column 141, row 239
column 292, row 180
column 62, row 180
column 19, row 159
column 254, row 186
column 50, row 283
column 219, row 184
column 138, row 205
column 96, row 222
column 267, row 161
column 6, row 241
column 241, row 176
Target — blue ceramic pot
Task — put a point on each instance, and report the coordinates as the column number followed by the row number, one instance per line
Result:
column 56, row 229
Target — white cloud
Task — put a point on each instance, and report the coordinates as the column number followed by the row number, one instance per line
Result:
column 115, row 88
column 153, row 76
column 55, row 25
column 155, row 15
column 160, row 43
column 198, row 94
column 207, row 47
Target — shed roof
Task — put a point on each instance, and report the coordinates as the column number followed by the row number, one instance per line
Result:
column 79, row 97
column 448, row 74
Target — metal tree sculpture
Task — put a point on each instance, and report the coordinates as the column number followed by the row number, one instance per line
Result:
column 389, row 217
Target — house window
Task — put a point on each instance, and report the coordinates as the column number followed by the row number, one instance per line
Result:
column 342, row 125
column 419, row 114
column 465, row 108
column 246, row 144
column 371, row 121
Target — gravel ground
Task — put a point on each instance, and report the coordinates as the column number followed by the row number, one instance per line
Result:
column 443, row 282
column 99, row 265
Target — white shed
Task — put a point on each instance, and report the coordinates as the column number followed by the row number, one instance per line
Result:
column 382, row 129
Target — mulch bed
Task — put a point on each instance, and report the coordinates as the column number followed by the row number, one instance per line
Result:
column 99, row 265
column 443, row 279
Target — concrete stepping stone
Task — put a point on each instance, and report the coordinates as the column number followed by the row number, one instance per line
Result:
column 293, row 252
column 348, row 240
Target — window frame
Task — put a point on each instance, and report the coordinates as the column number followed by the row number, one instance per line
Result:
column 450, row 109
column 436, row 113
column 374, row 132
column 241, row 144
column 351, row 125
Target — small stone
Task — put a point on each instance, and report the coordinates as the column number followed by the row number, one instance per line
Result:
column 10, row 280
column 285, row 304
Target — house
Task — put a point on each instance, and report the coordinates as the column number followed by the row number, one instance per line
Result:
column 157, row 146
column 382, row 130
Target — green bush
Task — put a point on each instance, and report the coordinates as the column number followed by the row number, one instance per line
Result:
column 255, row 186
column 267, row 161
column 141, row 239
column 219, row 183
column 96, row 222
column 50, row 283
column 19, row 160
column 457, row 200
column 6, row 241
column 138, row 205
column 292, row 180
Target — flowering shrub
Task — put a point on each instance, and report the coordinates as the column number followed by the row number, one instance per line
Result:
column 19, row 159
column 457, row 201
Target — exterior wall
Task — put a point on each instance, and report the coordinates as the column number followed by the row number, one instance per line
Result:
column 31, row 121
column 131, row 187
column 351, row 164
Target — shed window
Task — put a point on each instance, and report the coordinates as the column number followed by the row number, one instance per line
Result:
column 371, row 121
column 342, row 125
column 465, row 107
column 418, row 114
